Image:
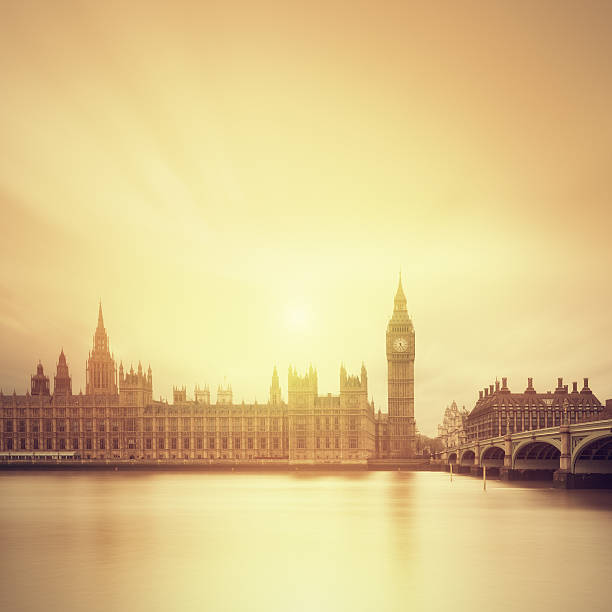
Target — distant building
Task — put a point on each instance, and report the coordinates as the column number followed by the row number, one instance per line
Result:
column 452, row 430
column 499, row 410
column 117, row 419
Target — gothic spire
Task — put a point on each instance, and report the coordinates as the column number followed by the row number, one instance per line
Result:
column 400, row 298
column 100, row 318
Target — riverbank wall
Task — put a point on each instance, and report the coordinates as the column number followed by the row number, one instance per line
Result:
column 212, row 466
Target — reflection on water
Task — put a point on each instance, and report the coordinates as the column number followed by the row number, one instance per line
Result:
column 299, row 541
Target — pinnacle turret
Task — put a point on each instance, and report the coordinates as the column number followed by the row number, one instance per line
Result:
column 62, row 381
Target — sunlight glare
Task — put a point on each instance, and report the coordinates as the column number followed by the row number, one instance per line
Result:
column 297, row 318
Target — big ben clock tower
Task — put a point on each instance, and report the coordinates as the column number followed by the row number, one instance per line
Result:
column 400, row 379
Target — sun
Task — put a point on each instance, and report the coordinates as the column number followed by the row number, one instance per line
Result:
column 297, row 317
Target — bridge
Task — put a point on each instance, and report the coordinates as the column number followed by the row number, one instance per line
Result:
column 579, row 455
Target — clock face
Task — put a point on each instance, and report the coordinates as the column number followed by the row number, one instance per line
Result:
column 400, row 345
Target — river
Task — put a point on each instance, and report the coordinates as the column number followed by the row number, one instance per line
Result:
column 297, row 541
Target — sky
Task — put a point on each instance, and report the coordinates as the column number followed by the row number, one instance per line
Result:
column 241, row 182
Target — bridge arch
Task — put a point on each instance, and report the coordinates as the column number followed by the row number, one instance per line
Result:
column 593, row 455
column 537, row 455
column 492, row 456
column 468, row 456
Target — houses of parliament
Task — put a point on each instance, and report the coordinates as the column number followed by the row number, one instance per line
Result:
column 117, row 419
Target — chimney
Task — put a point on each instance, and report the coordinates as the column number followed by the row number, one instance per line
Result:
column 586, row 389
column 559, row 383
column 496, row 385
column 486, row 392
column 530, row 383
column 480, row 394
column 504, row 383
column 490, row 389
column 574, row 387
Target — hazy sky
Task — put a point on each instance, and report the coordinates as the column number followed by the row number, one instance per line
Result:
column 240, row 183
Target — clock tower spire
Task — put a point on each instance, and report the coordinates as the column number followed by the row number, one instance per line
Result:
column 400, row 378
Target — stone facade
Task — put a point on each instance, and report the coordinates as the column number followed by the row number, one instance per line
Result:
column 117, row 418
column 330, row 428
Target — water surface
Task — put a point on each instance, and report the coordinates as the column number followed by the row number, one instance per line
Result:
column 299, row 541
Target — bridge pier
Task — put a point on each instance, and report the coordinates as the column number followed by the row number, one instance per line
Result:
column 508, row 474
column 565, row 458
column 563, row 479
column 492, row 471
column 508, row 453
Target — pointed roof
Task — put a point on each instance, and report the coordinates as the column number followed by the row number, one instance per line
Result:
column 400, row 312
column 100, row 317
column 62, row 357
column 400, row 298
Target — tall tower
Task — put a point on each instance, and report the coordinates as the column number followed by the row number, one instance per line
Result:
column 275, row 390
column 135, row 388
column 101, row 372
column 40, row 382
column 400, row 379
column 63, row 382
column 225, row 395
column 302, row 390
column 179, row 395
column 202, row 396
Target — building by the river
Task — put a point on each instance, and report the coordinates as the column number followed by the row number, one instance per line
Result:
column 452, row 430
column 499, row 410
column 118, row 419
